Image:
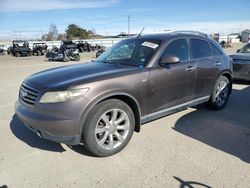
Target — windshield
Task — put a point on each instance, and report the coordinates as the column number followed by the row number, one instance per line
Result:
column 245, row 49
column 134, row 52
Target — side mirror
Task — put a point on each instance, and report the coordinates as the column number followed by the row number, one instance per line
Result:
column 238, row 51
column 169, row 59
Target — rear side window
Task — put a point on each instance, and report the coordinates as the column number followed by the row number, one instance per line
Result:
column 216, row 51
column 179, row 48
column 200, row 48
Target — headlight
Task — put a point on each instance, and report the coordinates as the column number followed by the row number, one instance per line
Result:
column 62, row 96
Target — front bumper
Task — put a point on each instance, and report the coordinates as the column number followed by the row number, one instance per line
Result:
column 241, row 70
column 56, row 122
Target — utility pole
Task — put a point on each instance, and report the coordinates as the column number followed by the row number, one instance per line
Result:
column 41, row 33
column 129, row 24
column 15, row 35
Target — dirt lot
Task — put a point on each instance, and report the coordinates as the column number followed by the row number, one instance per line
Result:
column 196, row 147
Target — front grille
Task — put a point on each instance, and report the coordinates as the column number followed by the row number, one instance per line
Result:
column 28, row 94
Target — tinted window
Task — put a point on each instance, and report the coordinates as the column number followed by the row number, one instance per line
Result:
column 216, row 51
column 200, row 48
column 245, row 49
column 179, row 48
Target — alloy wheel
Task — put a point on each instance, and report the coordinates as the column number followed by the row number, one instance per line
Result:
column 221, row 93
column 112, row 129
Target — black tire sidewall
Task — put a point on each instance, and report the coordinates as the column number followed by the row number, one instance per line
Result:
column 92, row 119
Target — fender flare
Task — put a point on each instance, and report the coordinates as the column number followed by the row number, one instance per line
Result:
column 103, row 97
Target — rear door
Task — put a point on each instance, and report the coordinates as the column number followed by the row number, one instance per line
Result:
column 207, row 66
column 172, row 84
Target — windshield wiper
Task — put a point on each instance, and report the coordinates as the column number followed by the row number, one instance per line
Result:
column 109, row 62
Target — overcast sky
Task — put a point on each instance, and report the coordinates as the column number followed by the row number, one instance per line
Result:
column 33, row 17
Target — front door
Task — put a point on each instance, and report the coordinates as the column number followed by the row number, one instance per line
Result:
column 173, row 84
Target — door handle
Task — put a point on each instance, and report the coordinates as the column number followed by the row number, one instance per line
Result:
column 190, row 68
column 218, row 63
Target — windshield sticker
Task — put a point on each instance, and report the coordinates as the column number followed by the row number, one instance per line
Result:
column 150, row 45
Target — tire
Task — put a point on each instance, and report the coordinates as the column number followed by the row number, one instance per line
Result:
column 99, row 129
column 65, row 59
column 18, row 54
column 77, row 58
column 39, row 53
column 220, row 94
column 81, row 49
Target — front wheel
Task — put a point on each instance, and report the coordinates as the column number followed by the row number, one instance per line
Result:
column 77, row 57
column 109, row 128
column 18, row 54
column 39, row 53
column 221, row 93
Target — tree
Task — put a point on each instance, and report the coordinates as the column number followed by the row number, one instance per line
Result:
column 53, row 32
column 246, row 31
column 74, row 31
column 61, row 36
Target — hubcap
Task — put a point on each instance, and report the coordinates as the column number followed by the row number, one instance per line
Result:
column 112, row 129
column 221, row 93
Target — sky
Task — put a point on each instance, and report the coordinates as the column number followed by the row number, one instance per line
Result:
column 32, row 18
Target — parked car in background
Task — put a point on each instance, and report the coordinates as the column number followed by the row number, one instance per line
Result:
column 135, row 81
column 241, row 63
column 39, row 48
column 20, row 48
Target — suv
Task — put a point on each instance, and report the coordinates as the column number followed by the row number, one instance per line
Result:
column 20, row 48
column 39, row 48
column 136, row 81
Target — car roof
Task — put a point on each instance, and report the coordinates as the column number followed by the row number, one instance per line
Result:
column 164, row 36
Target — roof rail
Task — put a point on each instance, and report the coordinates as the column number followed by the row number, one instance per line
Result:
column 191, row 32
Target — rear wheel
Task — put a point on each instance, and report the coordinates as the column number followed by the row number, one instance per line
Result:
column 221, row 93
column 109, row 128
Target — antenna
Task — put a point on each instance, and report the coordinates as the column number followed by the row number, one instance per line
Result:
column 139, row 35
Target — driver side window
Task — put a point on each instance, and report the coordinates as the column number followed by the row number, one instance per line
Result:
column 178, row 48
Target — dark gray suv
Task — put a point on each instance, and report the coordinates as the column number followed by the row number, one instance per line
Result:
column 101, row 104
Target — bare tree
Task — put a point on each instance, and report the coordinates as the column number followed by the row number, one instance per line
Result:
column 53, row 32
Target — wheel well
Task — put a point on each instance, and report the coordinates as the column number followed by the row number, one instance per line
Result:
column 229, row 77
column 133, row 105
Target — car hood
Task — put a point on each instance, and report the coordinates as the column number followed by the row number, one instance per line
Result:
column 240, row 56
column 62, row 78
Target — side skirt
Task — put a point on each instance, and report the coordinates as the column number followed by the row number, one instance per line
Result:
column 173, row 109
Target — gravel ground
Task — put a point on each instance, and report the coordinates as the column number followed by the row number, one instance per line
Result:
column 196, row 147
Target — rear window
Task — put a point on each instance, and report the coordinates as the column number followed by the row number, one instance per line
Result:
column 200, row 49
column 216, row 51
